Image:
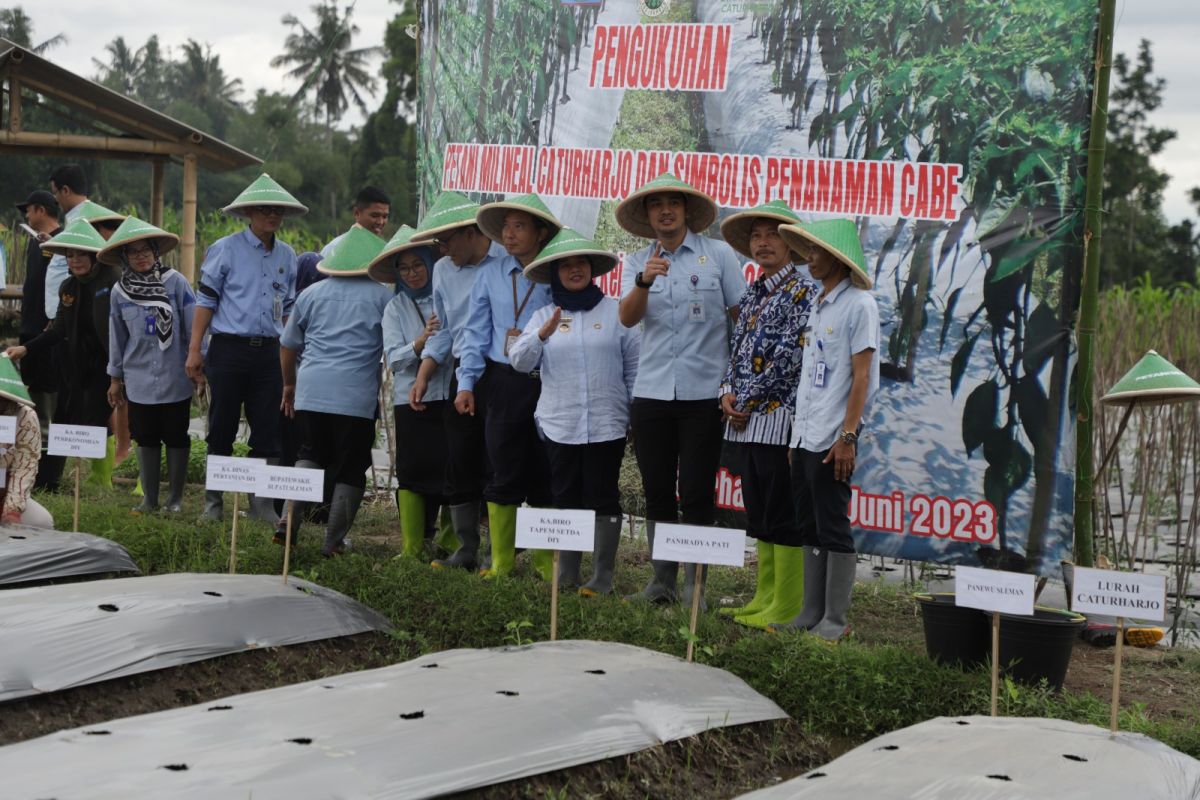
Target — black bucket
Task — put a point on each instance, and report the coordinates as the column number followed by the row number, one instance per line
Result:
column 1037, row 647
column 954, row 634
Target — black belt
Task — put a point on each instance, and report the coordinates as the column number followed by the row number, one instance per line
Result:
column 535, row 375
column 250, row 341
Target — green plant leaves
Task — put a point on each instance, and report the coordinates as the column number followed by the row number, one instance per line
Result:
column 979, row 415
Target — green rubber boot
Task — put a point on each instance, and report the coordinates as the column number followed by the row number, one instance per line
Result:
column 445, row 538
column 502, row 523
column 412, row 522
column 102, row 468
column 788, row 597
column 764, row 590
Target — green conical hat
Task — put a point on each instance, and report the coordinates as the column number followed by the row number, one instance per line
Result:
column 735, row 228
column 383, row 267
column 451, row 210
column 11, row 385
column 352, row 254
column 78, row 235
column 569, row 243
column 838, row 236
column 631, row 212
column 490, row 218
column 1153, row 381
column 135, row 230
column 265, row 192
column 94, row 212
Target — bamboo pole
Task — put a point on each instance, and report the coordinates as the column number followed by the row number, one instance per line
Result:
column 1116, row 687
column 1090, row 291
column 187, row 249
column 233, row 536
column 75, row 519
column 14, row 103
column 158, row 171
column 995, row 663
column 112, row 144
column 697, row 591
column 554, row 600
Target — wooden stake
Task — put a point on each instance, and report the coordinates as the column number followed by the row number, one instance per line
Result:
column 696, row 592
column 233, row 535
column 995, row 662
column 1116, row 695
column 554, row 601
column 75, row 525
column 287, row 542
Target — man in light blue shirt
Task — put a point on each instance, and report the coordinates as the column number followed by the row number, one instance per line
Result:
column 683, row 290
column 334, row 397
column 245, row 295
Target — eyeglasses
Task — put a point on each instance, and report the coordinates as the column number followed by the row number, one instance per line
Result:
column 410, row 270
column 133, row 251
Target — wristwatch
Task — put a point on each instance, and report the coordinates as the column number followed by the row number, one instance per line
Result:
column 641, row 284
column 849, row 437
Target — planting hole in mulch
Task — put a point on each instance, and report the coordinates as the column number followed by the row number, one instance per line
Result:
column 413, row 715
column 108, row 607
column 508, row 693
column 214, row 594
column 301, row 740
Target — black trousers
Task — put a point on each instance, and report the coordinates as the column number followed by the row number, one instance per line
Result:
column 677, row 438
column 156, row 424
column 421, row 449
column 767, row 493
column 516, row 454
column 585, row 475
column 341, row 444
column 822, row 503
column 466, row 455
column 242, row 375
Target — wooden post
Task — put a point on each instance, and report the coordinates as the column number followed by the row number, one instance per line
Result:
column 697, row 591
column 554, row 600
column 287, row 542
column 14, row 103
column 233, row 535
column 995, row 662
column 187, row 248
column 158, row 170
column 75, row 521
column 1116, row 693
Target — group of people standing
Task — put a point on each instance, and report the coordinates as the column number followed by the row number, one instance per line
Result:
column 515, row 379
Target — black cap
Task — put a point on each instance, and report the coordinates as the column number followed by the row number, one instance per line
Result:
column 39, row 197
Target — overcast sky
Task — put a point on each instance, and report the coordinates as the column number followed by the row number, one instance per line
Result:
column 248, row 33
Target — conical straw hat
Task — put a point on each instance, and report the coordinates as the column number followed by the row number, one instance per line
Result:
column 838, row 236
column 78, row 235
column 11, row 385
column 490, row 218
column 631, row 212
column 735, row 228
column 94, row 212
column 264, row 191
column 382, row 267
column 451, row 210
column 135, row 230
column 1153, row 381
column 569, row 243
column 352, row 254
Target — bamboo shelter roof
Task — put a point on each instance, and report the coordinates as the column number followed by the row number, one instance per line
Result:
column 120, row 127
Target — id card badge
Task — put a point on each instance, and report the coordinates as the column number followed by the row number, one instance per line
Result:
column 819, row 375
column 696, row 311
column 510, row 338
column 277, row 308
column 151, row 323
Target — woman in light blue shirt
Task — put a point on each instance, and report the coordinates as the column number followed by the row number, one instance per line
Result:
column 149, row 328
column 588, row 362
column 408, row 323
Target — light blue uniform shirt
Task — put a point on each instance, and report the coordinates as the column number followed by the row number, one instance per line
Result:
column 152, row 375
column 841, row 324
column 685, row 341
column 338, row 323
column 452, row 286
column 403, row 321
column 249, row 289
column 492, row 313
column 56, row 269
column 587, row 370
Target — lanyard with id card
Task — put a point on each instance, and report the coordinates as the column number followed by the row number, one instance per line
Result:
column 819, row 368
column 277, row 304
column 151, row 323
column 514, row 332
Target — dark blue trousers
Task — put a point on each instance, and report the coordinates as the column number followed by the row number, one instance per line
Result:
column 243, row 375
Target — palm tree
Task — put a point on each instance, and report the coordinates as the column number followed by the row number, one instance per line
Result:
column 323, row 59
column 17, row 27
column 124, row 67
column 199, row 80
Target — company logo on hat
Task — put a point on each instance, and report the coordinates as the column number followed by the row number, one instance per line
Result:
column 654, row 8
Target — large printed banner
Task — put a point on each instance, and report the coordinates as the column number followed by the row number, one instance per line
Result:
column 954, row 133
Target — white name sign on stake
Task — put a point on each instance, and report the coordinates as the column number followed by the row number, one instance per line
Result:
column 696, row 544
column 84, row 441
column 556, row 529
column 232, row 474
column 1120, row 594
column 290, row 483
column 8, row 430
column 993, row 590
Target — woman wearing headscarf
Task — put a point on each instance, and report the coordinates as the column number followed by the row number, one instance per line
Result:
column 588, row 362
column 149, row 330
column 82, row 323
column 19, row 460
column 408, row 322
